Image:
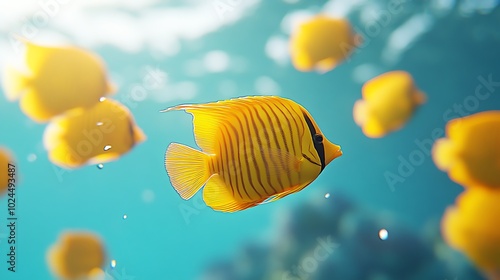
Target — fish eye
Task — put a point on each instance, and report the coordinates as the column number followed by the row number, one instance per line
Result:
column 318, row 138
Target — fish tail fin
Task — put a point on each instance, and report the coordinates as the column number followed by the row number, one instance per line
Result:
column 187, row 168
column 15, row 83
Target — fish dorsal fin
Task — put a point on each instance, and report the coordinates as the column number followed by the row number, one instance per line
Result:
column 207, row 118
column 37, row 55
column 217, row 195
column 206, row 123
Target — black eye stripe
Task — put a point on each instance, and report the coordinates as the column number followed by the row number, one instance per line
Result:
column 320, row 149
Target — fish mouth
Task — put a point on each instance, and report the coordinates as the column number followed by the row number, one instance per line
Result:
column 332, row 152
column 338, row 153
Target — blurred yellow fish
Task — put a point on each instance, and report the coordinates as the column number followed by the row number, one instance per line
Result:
column 322, row 43
column 97, row 135
column 56, row 79
column 389, row 101
column 6, row 177
column 76, row 255
column 471, row 153
column 255, row 149
column 472, row 228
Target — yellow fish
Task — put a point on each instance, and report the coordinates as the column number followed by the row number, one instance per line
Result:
column 5, row 175
column 389, row 101
column 471, row 226
column 322, row 43
column 471, row 153
column 254, row 149
column 76, row 255
column 56, row 79
column 96, row 135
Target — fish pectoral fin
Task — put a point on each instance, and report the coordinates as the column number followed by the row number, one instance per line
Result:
column 283, row 161
column 187, row 168
column 217, row 195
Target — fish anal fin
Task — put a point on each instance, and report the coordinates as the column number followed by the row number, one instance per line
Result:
column 35, row 107
column 374, row 128
column 187, row 168
column 326, row 65
column 217, row 195
column 302, row 61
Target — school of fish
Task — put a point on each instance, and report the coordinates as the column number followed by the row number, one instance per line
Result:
column 253, row 149
column 470, row 154
column 65, row 86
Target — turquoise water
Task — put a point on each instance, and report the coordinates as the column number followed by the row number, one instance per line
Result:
column 203, row 54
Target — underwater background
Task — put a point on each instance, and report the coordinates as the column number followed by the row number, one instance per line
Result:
column 203, row 51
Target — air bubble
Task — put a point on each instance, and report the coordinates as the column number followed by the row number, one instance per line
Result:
column 383, row 234
column 100, row 166
column 31, row 157
column 327, row 195
column 107, row 147
column 148, row 196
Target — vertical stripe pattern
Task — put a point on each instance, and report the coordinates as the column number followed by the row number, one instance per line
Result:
column 259, row 141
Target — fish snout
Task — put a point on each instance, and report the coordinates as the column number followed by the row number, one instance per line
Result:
column 332, row 151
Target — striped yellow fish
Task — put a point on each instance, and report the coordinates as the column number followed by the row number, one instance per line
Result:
column 255, row 149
